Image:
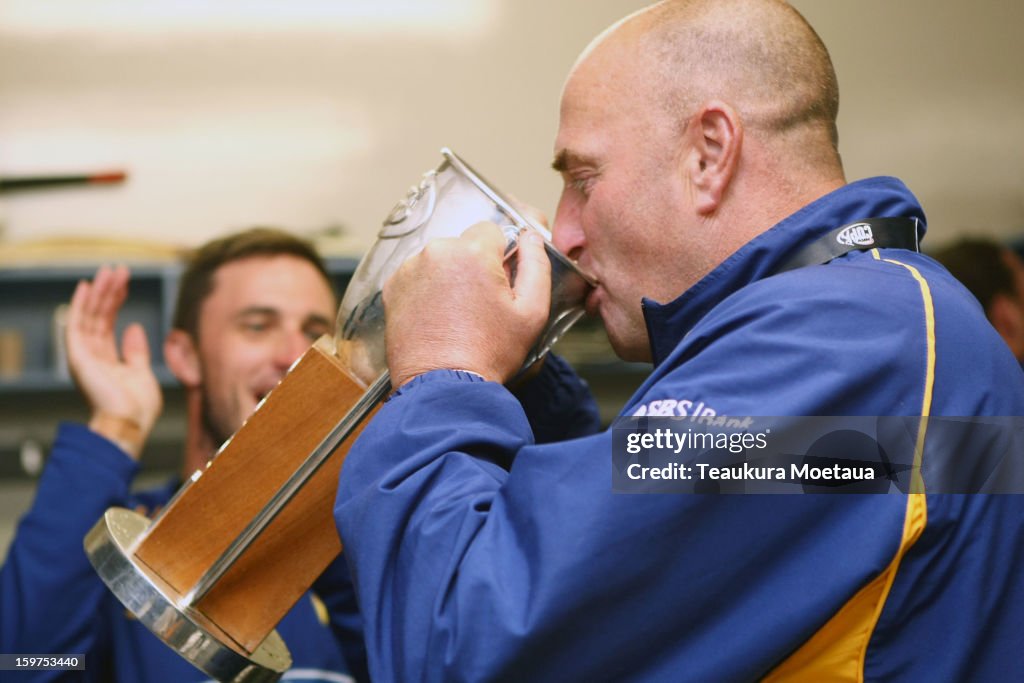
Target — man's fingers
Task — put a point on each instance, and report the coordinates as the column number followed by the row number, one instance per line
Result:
column 488, row 237
column 533, row 278
column 78, row 302
column 531, row 212
column 91, row 305
column 135, row 346
column 110, row 296
column 532, row 288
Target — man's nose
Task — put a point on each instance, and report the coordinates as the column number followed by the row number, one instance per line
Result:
column 567, row 233
column 290, row 346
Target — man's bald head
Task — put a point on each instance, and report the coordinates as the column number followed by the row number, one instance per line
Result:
column 760, row 56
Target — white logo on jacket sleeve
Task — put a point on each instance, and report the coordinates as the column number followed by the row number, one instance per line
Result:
column 858, row 234
column 670, row 407
column 698, row 412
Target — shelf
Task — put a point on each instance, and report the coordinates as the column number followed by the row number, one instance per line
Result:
column 32, row 299
column 42, row 381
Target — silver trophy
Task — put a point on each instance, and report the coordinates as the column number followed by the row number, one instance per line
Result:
column 447, row 201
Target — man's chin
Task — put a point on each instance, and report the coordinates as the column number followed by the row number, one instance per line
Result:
column 630, row 348
column 221, row 425
column 632, row 355
column 245, row 415
column 229, row 427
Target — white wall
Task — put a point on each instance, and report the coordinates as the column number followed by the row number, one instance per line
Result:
column 302, row 126
column 933, row 91
column 322, row 118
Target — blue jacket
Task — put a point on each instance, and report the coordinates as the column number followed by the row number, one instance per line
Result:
column 53, row 602
column 480, row 555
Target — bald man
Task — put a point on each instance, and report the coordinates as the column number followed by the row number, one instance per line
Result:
column 704, row 191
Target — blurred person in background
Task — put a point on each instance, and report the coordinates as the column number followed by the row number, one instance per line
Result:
column 249, row 305
column 994, row 274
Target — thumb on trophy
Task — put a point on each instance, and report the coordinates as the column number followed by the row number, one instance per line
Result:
column 532, row 286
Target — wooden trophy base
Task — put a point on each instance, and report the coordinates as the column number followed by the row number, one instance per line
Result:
column 161, row 569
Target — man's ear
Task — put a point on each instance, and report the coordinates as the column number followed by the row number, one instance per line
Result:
column 182, row 357
column 714, row 136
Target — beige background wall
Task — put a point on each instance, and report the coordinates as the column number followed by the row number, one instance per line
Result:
column 323, row 115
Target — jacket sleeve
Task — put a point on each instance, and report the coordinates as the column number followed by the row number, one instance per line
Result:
column 478, row 555
column 48, row 589
column 558, row 403
column 334, row 587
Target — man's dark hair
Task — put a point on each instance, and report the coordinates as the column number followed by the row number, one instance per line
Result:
column 980, row 264
column 202, row 265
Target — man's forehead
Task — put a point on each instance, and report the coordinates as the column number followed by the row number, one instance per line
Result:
column 594, row 64
column 269, row 282
column 586, row 96
column 610, row 74
column 600, row 101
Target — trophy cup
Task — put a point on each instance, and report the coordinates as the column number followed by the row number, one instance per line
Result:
column 215, row 571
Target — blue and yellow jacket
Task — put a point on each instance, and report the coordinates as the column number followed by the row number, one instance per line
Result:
column 479, row 554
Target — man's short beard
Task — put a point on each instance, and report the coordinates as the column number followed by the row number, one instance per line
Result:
column 217, row 434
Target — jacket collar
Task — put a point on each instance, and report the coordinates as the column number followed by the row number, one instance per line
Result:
column 869, row 198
